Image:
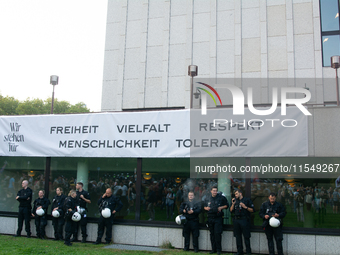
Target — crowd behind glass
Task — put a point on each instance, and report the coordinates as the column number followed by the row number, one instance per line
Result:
column 306, row 205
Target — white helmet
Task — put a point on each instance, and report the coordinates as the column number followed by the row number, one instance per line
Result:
column 106, row 213
column 274, row 222
column 80, row 209
column 55, row 214
column 40, row 212
column 76, row 216
column 181, row 219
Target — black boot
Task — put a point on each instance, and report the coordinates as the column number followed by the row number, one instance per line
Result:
column 98, row 241
column 74, row 239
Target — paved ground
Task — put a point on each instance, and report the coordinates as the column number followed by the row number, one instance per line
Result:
column 133, row 247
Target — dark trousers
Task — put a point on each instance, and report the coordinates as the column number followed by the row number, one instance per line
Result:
column 82, row 223
column 70, row 228
column 192, row 226
column 58, row 224
column 242, row 226
column 216, row 228
column 40, row 224
column 277, row 234
column 102, row 224
column 24, row 214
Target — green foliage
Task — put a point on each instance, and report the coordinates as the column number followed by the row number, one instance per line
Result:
column 8, row 105
column 29, row 107
column 167, row 245
column 12, row 106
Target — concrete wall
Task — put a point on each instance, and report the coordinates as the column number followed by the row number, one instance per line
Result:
column 156, row 236
column 150, row 43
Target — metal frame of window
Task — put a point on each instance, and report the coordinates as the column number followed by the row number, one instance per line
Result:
column 172, row 224
column 327, row 33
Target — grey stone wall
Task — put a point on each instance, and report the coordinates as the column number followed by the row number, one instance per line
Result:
column 293, row 244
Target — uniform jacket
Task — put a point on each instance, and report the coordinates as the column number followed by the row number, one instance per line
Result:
column 81, row 202
column 270, row 209
column 214, row 203
column 43, row 202
column 239, row 211
column 25, row 197
column 194, row 205
column 58, row 201
column 112, row 202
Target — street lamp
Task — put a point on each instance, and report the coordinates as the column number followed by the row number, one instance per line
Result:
column 54, row 80
column 192, row 71
column 335, row 63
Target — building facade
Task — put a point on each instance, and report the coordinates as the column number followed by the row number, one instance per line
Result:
column 258, row 44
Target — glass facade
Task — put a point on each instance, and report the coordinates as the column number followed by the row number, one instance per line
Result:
column 164, row 183
column 13, row 172
column 329, row 13
column 97, row 174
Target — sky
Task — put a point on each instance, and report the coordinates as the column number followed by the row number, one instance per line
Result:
column 40, row 38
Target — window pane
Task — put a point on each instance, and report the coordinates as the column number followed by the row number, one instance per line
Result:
column 329, row 15
column 163, row 178
column 330, row 47
column 309, row 202
column 171, row 178
column 13, row 170
column 97, row 174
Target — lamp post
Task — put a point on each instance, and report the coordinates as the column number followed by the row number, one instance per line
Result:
column 192, row 72
column 54, row 80
column 335, row 63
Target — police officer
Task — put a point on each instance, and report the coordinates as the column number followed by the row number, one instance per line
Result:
column 269, row 209
column 83, row 198
column 241, row 207
column 70, row 208
column 24, row 198
column 57, row 205
column 214, row 205
column 40, row 220
column 191, row 210
column 115, row 205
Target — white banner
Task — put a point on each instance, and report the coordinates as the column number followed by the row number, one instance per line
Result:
column 219, row 133
column 153, row 134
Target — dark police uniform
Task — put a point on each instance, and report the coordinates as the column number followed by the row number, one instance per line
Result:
column 58, row 223
column 192, row 224
column 40, row 221
column 215, row 220
column 113, row 203
column 83, row 221
column 270, row 209
column 241, row 222
column 25, row 200
column 70, row 226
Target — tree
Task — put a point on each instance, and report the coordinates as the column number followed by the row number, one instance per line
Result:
column 78, row 108
column 29, row 107
column 8, row 105
column 12, row 106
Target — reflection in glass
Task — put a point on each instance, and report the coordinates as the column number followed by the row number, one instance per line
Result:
column 309, row 202
column 97, row 174
column 330, row 47
column 13, row 170
column 329, row 15
column 166, row 184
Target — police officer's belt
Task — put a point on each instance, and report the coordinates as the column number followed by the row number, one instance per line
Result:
column 240, row 217
column 191, row 219
column 214, row 217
